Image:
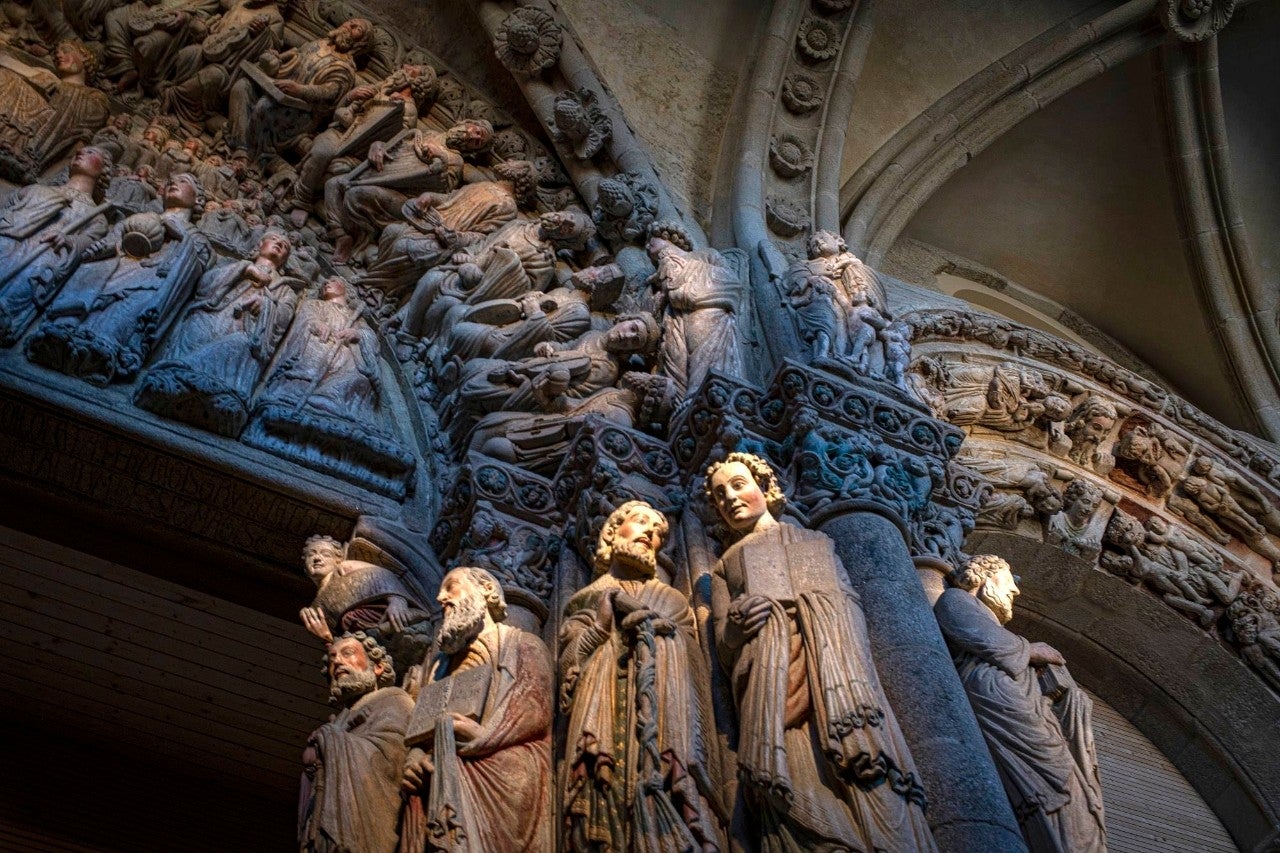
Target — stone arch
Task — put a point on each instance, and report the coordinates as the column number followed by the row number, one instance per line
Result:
column 1191, row 696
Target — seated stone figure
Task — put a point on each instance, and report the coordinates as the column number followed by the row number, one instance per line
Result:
column 295, row 93
column 352, row 595
column 204, row 72
column 321, row 405
column 42, row 115
column 120, row 302
column 140, row 40
column 209, row 367
column 371, row 196
column 44, row 230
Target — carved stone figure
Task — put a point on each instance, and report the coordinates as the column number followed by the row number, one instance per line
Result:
column 636, row 769
column 1089, row 426
column 436, row 227
column 1079, row 527
column 701, row 295
column 350, row 797
column 1254, row 623
column 367, row 114
column 1150, row 451
column 210, row 366
column 373, row 195
column 1206, row 500
column 1004, row 397
column 625, row 207
column 1246, row 495
column 292, row 94
column 203, row 73
column 42, row 115
column 1023, row 490
column 322, row 402
column 140, row 40
column 352, row 595
column 1053, row 788
column 119, row 303
column 479, row 774
column 821, row 761
column 44, row 231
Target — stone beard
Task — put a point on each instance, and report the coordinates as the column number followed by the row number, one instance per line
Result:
column 1048, row 775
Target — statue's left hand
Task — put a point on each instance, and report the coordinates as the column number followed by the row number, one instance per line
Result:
column 397, row 612
column 1043, row 653
column 465, row 729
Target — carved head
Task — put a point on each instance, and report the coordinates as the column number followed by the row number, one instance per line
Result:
column 183, row 191
column 1092, row 420
column 72, row 57
column 1080, row 499
column 275, row 248
column 826, row 244
column 157, row 135
column 471, row 599
column 1056, row 407
column 358, row 665
column 470, row 136
column 631, row 538
column 1202, row 466
column 1044, row 498
column 568, row 229
column 744, row 490
column 193, row 146
column 523, row 176
column 92, row 161
column 634, row 333
column 321, row 555
column 354, row 36
column 992, row 581
column 334, row 288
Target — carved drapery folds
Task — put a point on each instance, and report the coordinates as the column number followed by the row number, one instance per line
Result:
column 1109, row 467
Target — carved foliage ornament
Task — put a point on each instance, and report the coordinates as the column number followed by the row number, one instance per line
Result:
column 801, row 93
column 1196, row 20
column 790, row 156
column 528, row 41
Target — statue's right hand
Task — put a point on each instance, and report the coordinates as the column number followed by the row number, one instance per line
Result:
column 1043, row 653
column 378, row 156
column 417, row 770
column 313, row 620
column 750, row 612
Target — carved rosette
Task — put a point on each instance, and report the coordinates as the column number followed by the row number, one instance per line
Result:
column 818, row 40
column 528, row 42
column 790, row 156
column 1196, row 20
column 801, row 93
column 507, row 520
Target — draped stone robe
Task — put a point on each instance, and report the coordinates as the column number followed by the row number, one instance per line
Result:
column 820, row 755
column 1049, row 791
column 655, row 801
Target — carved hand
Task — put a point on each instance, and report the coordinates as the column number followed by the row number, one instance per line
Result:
column 750, row 612
column 1043, row 653
column 313, row 620
column 290, row 87
column 397, row 612
column 417, row 769
column 465, row 729
column 378, row 156
column 361, row 93
column 259, row 24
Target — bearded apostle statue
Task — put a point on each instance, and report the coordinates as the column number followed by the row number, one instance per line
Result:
column 821, row 759
column 636, row 775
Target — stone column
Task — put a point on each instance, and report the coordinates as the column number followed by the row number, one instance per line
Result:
column 968, row 809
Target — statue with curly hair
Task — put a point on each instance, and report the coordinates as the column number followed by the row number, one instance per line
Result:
column 350, row 797
column 478, row 777
column 821, row 759
column 636, row 773
column 1036, row 721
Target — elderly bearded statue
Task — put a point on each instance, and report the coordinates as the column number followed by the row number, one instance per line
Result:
column 478, row 776
column 350, row 788
column 1046, row 760
column 822, row 762
column 636, row 774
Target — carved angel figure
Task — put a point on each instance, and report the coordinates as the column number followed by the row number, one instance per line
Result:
column 580, row 123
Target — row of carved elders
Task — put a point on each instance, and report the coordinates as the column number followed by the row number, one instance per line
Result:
column 822, row 762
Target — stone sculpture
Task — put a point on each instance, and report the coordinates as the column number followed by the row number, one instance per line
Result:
column 288, row 95
column 1150, row 452
column 43, row 115
column 821, row 760
column 141, row 39
column 210, row 366
column 1079, row 527
column 1053, row 788
column 1255, row 622
column 1088, row 426
column 580, row 124
column 44, row 231
column 701, row 296
column 367, row 114
column 636, row 770
column 479, row 775
column 371, row 196
column 203, row 73
column 437, row 227
column 123, row 297
column 352, row 595
column 1007, row 398
column 321, row 404
column 350, row 796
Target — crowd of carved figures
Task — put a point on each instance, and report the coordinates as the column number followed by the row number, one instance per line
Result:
column 276, row 225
